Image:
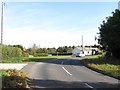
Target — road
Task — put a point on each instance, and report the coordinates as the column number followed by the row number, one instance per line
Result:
column 67, row 73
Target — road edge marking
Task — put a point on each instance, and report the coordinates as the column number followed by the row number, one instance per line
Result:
column 67, row 71
column 89, row 86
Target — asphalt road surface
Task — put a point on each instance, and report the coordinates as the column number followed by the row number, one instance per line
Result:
column 67, row 73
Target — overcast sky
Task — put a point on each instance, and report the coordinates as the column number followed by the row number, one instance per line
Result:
column 54, row 24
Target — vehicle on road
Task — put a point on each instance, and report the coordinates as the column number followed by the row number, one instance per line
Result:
column 80, row 54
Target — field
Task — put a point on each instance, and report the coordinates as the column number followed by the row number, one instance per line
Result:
column 42, row 59
column 32, row 59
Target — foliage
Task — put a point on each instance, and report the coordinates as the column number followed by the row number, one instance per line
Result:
column 24, row 54
column 62, row 54
column 12, row 53
column 51, row 50
column 12, row 78
column 9, row 52
column 37, row 51
column 98, row 62
column 40, row 54
column 110, row 34
column 19, row 46
column 12, row 60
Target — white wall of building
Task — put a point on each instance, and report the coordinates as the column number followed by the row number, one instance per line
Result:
column 87, row 51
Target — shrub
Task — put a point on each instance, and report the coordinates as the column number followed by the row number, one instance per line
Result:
column 41, row 54
column 9, row 52
column 12, row 78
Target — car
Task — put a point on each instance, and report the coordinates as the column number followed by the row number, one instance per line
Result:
column 80, row 55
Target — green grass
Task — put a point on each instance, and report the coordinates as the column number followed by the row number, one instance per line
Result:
column 109, row 65
column 33, row 59
column 42, row 59
column 11, row 60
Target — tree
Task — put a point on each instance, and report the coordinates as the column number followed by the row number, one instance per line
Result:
column 51, row 50
column 19, row 46
column 109, row 36
column 33, row 49
column 11, row 52
column 45, row 50
column 59, row 49
column 73, row 47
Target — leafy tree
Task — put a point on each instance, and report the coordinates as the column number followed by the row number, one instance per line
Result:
column 11, row 52
column 60, row 49
column 69, row 49
column 51, row 50
column 33, row 49
column 44, row 50
column 19, row 46
column 73, row 47
column 109, row 36
column 24, row 54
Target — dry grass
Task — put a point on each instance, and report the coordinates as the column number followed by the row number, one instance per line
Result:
column 110, row 65
column 12, row 78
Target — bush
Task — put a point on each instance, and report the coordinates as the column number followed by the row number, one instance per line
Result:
column 25, row 55
column 41, row 54
column 12, row 78
column 62, row 54
column 9, row 52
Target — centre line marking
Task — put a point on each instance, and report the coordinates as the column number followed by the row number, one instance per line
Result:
column 67, row 71
column 90, row 86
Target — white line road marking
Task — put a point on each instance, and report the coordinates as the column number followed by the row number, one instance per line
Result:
column 90, row 86
column 67, row 71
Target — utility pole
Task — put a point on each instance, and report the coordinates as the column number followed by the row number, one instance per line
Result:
column 2, row 22
column 82, row 42
column 119, row 5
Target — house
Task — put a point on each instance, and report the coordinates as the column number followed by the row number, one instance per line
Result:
column 79, row 51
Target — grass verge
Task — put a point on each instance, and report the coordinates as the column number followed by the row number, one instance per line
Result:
column 32, row 59
column 12, row 78
column 109, row 66
column 12, row 60
column 42, row 59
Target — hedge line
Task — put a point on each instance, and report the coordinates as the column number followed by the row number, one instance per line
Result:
column 10, row 52
column 62, row 54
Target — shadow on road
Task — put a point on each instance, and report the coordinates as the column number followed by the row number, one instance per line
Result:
column 66, row 61
column 37, row 83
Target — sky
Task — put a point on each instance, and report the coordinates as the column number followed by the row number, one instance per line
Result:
column 54, row 24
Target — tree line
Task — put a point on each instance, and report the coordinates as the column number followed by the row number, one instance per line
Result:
column 37, row 51
column 62, row 50
column 18, row 51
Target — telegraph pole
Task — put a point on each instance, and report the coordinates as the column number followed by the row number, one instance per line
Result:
column 119, row 5
column 82, row 42
column 2, row 22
